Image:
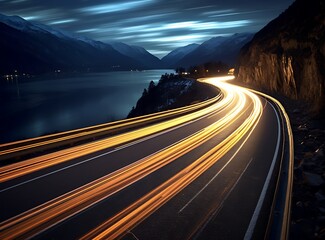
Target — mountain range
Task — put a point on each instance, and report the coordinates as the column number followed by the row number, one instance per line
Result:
column 224, row 49
column 172, row 58
column 137, row 53
column 37, row 48
column 34, row 48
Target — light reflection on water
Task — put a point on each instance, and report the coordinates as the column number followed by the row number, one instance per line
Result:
column 58, row 104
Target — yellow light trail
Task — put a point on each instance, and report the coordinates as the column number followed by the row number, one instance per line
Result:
column 36, row 220
column 287, row 208
column 31, row 165
column 128, row 218
column 44, row 216
column 77, row 133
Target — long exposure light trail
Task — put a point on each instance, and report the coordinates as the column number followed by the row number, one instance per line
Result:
column 95, row 191
column 21, row 168
column 138, row 211
column 21, row 145
column 44, row 216
column 221, row 129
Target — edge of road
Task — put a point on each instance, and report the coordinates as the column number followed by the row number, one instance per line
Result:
column 281, row 173
column 280, row 213
column 21, row 150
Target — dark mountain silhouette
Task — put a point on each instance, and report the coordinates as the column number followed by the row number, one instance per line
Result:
column 288, row 55
column 138, row 53
column 36, row 48
column 171, row 59
column 225, row 49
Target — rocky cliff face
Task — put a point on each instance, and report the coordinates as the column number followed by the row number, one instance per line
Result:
column 288, row 55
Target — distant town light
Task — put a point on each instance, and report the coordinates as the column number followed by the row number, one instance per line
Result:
column 231, row 71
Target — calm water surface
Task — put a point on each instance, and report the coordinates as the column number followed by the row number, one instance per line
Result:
column 34, row 107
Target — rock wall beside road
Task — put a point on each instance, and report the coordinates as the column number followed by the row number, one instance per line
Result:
column 288, row 55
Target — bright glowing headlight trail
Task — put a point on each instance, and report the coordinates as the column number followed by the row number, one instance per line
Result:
column 46, row 215
column 38, row 163
column 93, row 192
column 138, row 211
column 73, row 134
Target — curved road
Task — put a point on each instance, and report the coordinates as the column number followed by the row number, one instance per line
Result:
column 209, row 173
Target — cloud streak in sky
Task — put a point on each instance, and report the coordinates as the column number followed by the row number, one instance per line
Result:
column 63, row 21
column 157, row 25
column 117, row 7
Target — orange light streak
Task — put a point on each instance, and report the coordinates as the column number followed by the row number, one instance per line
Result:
column 69, row 204
column 48, row 214
column 31, row 165
column 128, row 218
column 68, row 135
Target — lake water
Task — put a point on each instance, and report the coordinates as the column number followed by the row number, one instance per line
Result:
column 37, row 106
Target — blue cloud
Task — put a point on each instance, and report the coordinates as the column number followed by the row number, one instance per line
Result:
column 117, row 7
column 157, row 25
column 63, row 21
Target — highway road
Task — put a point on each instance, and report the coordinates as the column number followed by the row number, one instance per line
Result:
column 221, row 169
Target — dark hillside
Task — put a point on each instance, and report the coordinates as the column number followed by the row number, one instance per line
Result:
column 172, row 91
column 288, row 55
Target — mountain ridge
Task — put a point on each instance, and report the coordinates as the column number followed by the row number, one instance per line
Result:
column 220, row 48
column 138, row 53
column 36, row 48
column 31, row 47
column 177, row 54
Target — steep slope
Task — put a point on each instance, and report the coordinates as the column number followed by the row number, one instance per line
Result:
column 36, row 48
column 176, row 55
column 172, row 91
column 288, row 55
column 225, row 49
column 229, row 49
column 137, row 53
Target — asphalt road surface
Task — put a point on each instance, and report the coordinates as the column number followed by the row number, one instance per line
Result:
column 205, row 174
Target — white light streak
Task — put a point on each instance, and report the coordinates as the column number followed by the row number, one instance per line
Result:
column 62, row 21
column 109, row 8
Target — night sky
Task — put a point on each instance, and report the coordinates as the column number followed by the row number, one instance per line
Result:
column 157, row 25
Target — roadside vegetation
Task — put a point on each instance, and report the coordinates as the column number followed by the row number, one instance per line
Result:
column 172, row 91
